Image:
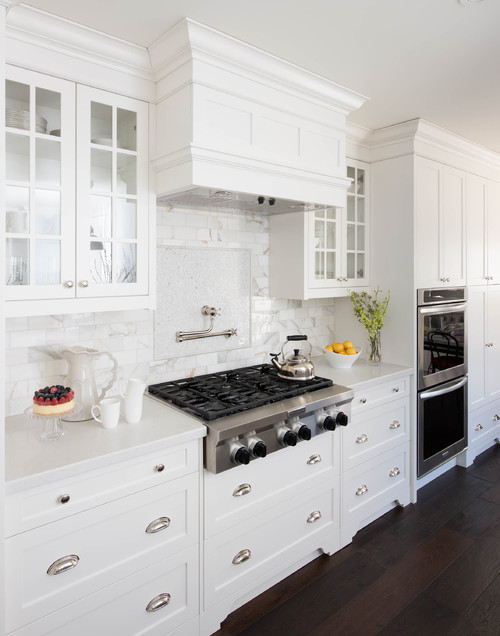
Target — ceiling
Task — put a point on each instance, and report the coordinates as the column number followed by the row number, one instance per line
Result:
column 434, row 59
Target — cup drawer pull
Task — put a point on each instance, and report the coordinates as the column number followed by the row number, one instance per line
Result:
column 362, row 400
column 362, row 439
column 63, row 564
column 162, row 600
column 64, row 499
column 158, row 524
column 478, row 427
column 396, row 389
column 314, row 459
column 394, row 472
column 395, row 424
column 243, row 489
column 242, row 556
column 314, row 516
column 361, row 490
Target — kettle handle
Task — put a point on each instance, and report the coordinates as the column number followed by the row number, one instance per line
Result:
column 298, row 337
column 113, row 373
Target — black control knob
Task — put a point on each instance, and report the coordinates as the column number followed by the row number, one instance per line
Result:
column 328, row 423
column 259, row 449
column 242, row 456
column 304, row 433
column 289, row 439
column 341, row 419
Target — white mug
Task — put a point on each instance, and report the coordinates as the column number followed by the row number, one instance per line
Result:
column 132, row 399
column 109, row 411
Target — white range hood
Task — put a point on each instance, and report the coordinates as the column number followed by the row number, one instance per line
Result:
column 233, row 119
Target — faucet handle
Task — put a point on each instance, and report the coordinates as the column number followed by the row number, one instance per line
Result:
column 210, row 311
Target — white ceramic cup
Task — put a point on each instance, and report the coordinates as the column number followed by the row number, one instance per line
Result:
column 132, row 399
column 109, row 411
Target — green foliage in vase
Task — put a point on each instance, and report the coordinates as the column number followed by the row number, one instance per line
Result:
column 370, row 310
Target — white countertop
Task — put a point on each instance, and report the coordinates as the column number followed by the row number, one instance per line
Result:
column 86, row 445
column 360, row 373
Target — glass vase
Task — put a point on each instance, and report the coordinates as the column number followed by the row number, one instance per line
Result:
column 374, row 349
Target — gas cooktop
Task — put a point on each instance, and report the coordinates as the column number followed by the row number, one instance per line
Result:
column 220, row 394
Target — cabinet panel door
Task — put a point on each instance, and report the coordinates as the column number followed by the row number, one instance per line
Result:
column 325, row 245
column 476, row 230
column 452, row 230
column 428, row 207
column 39, row 187
column 493, row 339
column 476, row 345
column 493, row 232
column 112, row 203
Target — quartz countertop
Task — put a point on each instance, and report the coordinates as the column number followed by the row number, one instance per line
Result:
column 360, row 374
column 87, row 445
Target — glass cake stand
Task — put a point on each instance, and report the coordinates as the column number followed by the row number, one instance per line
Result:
column 50, row 426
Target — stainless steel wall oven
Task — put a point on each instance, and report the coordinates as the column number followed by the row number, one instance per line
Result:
column 442, row 376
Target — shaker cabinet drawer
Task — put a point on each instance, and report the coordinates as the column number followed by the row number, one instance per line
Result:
column 365, row 399
column 241, row 493
column 158, row 600
column 484, row 423
column 376, row 483
column 236, row 560
column 37, row 506
column 60, row 563
column 368, row 436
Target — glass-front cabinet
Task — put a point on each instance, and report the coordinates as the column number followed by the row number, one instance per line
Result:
column 76, row 193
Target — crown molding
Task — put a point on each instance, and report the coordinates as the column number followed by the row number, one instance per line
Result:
column 189, row 42
column 38, row 40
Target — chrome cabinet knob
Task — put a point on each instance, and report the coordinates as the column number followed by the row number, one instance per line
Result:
column 64, row 499
column 162, row 600
column 345, row 279
column 496, row 417
column 362, row 439
column 396, row 389
column 162, row 523
column 84, row 283
column 242, row 490
column 69, row 283
column 478, row 427
column 395, row 424
column 314, row 516
column 362, row 490
column 63, row 564
column 242, row 556
column 362, row 400
column 159, row 468
column 394, row 472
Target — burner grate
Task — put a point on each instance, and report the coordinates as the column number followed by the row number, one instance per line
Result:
column 219, row 394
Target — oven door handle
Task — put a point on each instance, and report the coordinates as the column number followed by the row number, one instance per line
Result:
column 442, row 309
column 426, row 395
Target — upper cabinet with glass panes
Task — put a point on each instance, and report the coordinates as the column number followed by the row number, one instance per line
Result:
column 65, row 239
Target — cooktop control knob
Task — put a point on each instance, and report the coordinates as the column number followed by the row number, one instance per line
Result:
column 258, row 448
column 327, row 422
column 303, row 431
column 287, row 437
column 341, row 418
column 240, row 454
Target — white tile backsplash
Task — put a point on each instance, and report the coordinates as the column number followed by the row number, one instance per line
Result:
column 32, row 344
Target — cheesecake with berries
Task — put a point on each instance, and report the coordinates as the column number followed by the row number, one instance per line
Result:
column 53, row 400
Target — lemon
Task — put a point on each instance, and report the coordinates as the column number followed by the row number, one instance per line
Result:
column 329, row 348
column 342, row 353
column 351, row 351
column 338, row 347
column 348, row 345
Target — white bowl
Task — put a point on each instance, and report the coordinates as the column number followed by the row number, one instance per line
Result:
column 340, row 361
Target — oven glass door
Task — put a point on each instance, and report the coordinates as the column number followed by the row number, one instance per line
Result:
column 442, row 344
column 442, row 424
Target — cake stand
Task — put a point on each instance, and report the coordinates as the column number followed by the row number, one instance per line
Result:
column 50, row 425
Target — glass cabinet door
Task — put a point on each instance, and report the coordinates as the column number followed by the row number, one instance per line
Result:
column 112, row 202
column 356, row 247
column 39, row 187
column 325, row 229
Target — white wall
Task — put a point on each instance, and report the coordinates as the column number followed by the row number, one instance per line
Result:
column 32, row 343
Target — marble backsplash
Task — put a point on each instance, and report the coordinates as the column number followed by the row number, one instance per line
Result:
column 32, row 343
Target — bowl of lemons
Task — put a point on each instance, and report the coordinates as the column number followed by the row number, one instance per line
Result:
column 341, row 355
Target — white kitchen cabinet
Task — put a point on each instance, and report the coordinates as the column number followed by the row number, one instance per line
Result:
column 483, row 345
column 375, row 454
column 322, row 253
column 483, row 231
column 440, row 225
column 67, row 239
column 131, row 537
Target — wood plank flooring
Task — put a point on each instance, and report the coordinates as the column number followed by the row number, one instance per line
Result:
column 432, row 568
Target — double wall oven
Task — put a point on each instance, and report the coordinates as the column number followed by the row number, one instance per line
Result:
column 442, row 376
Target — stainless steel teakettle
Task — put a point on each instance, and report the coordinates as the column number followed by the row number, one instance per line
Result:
column 294, row 366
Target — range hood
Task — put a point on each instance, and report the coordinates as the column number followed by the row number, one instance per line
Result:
column 238, row 201
column 234, row 123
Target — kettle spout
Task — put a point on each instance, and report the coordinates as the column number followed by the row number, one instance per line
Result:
column 274, row 361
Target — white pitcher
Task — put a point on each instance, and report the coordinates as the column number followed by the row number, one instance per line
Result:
column 81, row 378
column 132, row 399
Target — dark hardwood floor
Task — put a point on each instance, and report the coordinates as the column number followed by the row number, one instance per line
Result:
column 430, row 568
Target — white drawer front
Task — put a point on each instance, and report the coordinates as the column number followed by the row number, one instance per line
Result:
column 121, row 608
column 37, row 506
column 365, row 399
column 484, row 423
column 107, row 543
column 375, row 483
column 249, row 553
column 370, row 435
column 240, row 493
